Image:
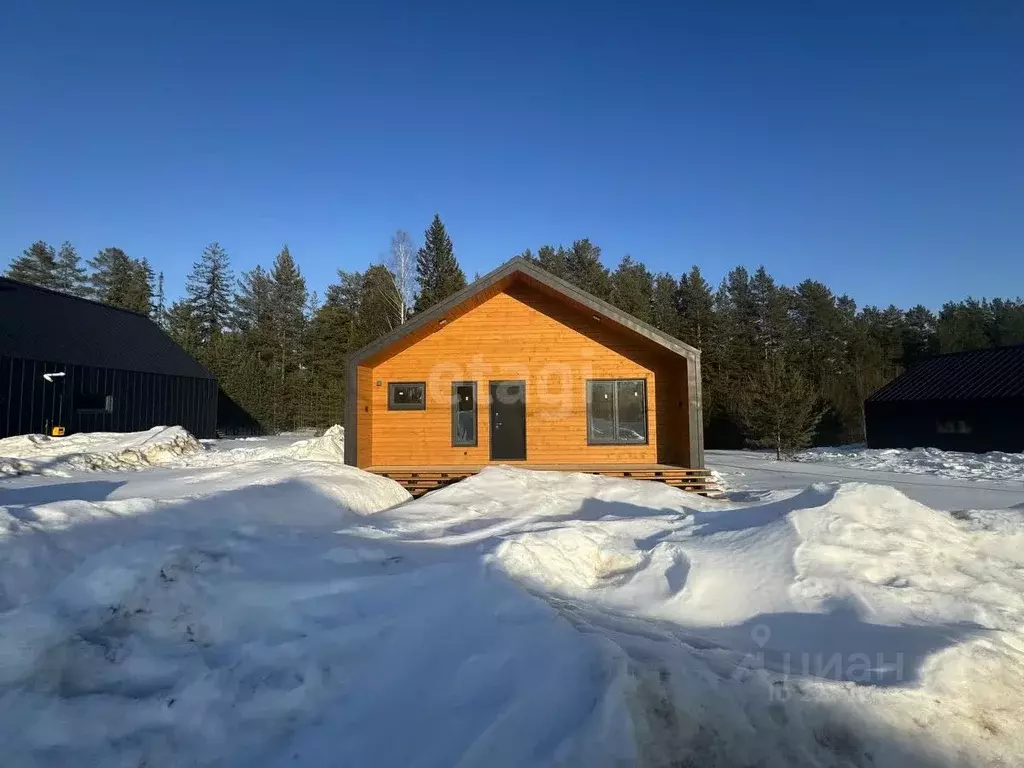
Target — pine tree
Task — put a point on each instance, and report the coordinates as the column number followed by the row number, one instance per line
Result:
column 695, row 306
column 583, row 268
column 328, row 337
column 377, row 315
column 114, row 278
column 36, row 265
column 437, row 270
column 139, row 295
column 962, row 325
column 664, row 315
column 552, row 259
column 183, row 326
column 208, row 290
column 69, row 274
column 632, row 289
column 251, row 308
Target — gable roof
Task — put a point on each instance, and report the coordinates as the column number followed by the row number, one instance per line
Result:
column 508, row 271
column 41, row 324
column 997, row 372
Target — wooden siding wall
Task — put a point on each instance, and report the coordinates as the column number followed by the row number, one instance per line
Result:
column 522, row 333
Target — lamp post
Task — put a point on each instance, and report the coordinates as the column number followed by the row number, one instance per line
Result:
column 58, row 429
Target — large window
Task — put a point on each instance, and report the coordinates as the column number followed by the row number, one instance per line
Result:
column 617, row 412
column 407, row 396
column 463, row 413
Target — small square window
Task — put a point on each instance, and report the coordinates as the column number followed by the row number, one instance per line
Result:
column 407, row 396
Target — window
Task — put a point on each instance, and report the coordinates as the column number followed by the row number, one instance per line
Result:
column 407, row 396
column 92, row 403
column 953, row 427
column 463, row 413
column 617, row 412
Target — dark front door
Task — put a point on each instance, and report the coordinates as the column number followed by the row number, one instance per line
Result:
column 508, row 420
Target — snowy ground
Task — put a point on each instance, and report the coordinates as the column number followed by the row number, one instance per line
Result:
column 996, row 466
column 258, row 604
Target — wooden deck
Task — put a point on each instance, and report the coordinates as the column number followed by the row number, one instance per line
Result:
column 421, row 480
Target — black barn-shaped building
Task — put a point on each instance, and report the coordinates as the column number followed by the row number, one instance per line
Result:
column 88, row 367
column 963, row 401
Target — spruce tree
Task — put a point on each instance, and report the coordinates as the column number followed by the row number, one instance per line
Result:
column 36, row 265
column 287, row 308
column 69, row 274
column 114, row 278
column 208, row 290
column 778, row 408
column 159, row 313
column 437, row 270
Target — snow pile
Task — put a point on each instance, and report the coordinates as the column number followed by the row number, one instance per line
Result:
column 156, row 447
column 328, row 447
column 285, row 613
column 58, row 456
column 994, row 466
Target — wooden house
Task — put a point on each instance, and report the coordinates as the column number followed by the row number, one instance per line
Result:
column 523, row 368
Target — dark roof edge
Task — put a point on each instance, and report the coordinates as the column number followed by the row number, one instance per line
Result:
column 54, row 291
column 210, row 374
column 520, row 264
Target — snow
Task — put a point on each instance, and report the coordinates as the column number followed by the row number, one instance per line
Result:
column 156, row 447
column 260, row 604
column 995, row 465
column 44, row 455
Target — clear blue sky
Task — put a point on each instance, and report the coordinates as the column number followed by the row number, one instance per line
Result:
column 878, row 149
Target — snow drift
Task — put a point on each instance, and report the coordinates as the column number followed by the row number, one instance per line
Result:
column 92, row 451
column 156, row 447
column 286, row 613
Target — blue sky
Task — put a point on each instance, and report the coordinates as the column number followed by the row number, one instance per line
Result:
column 877, row 148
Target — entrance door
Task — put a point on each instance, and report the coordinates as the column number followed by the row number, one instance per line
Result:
column 508, row 420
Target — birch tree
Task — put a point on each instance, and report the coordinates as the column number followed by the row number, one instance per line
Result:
column 403, row 268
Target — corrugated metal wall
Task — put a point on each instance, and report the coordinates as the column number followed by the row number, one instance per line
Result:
column 981, row 425
column 29, row 404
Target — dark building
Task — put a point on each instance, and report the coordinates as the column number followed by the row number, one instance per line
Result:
column 964, row 401
column 121, row 372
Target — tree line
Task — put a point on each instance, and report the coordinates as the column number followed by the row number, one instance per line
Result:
column 783, row 366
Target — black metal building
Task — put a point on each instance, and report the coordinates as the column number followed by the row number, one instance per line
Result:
column 964, row 401
column 87, row 367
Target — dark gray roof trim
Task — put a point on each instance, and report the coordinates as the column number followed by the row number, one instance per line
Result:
column 541, row 275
